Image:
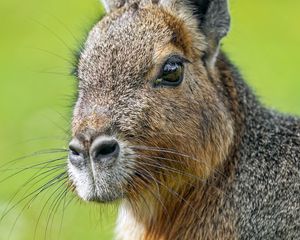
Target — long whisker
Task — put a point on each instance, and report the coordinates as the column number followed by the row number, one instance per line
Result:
column 33, row 177
column 65, row 206
column 49, row 184
column 135, row 188
column 40, row 165
column 67, row 29
column 182, row 163
column 66, row 60
column 44, row 206
column 54, row 206
column 168, row 169
column 171, row 169
column 63, row 210
column 172, row 151
column 25, row 206
column 163, row 150
column 176, row 194
column 63, row 130
column 53, row 33
column 31, row 167
column 41, row 138
column 157, row 196
column 53, row 72
column 36, row 192
column 35, row 154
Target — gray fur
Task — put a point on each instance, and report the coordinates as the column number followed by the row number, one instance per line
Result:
column 217, row 20
column 216, row 25
column 265, row 193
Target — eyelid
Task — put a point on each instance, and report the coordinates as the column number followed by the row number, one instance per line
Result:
column 172, row 58
column 176, row 58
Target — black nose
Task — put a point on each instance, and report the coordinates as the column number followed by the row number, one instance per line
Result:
column 105, row 150
column 77, row 153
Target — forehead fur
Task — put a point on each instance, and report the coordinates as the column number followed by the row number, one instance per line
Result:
column 126, row 41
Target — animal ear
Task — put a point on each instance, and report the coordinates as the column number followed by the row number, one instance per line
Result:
column 111, row 5
column 213, row 17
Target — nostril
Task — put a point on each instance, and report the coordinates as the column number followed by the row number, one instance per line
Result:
column 105, row 148
column 76, row 153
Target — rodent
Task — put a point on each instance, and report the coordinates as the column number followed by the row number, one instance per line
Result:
column 165, row 124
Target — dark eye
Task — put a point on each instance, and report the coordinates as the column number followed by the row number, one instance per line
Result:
column 171, row 74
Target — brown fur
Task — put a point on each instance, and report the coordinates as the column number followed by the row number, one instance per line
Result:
column 197, row 207
column 174, row 194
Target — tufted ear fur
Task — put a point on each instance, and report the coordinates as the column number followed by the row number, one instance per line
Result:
column 110, row 5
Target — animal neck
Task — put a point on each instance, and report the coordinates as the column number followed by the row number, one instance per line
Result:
column 237, row 95
column 193, row 210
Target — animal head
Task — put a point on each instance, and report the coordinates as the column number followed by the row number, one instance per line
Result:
column 148, row 110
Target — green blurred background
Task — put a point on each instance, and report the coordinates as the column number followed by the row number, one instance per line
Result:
column 37, row 41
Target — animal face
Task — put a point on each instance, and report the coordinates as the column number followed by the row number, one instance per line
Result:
column 147, row 111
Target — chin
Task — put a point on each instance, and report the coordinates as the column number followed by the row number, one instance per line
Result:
column 95, row 185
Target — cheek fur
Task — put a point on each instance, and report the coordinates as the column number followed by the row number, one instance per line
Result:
column 200, row 129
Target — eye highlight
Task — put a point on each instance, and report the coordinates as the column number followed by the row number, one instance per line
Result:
column 171, row 73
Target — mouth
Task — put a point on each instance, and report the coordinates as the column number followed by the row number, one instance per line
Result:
column 95, row 185
column 102, row 173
